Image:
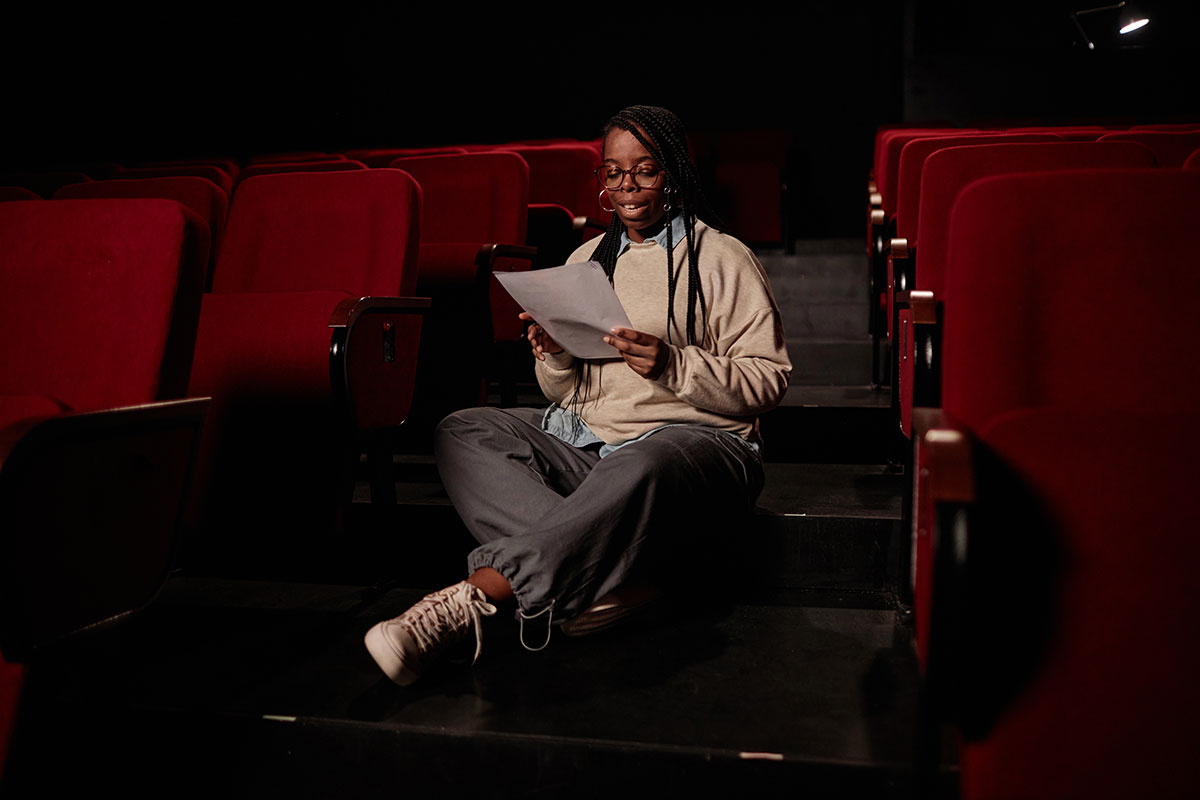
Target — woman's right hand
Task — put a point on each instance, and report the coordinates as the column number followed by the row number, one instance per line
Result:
column 539, row 339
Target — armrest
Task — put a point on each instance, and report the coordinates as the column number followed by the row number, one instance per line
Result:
column 69, row 565
column 585, row 223
column 944, row 486
column 492, row 254
column 373, row 351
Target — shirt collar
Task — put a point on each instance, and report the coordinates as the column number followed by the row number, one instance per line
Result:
column 678, row 231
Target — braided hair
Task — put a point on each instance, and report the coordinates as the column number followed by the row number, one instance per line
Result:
column 663, row 136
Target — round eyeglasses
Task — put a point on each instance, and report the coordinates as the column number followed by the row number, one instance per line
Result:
column 646, row 176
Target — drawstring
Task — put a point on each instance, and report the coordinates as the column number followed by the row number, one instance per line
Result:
column 523, row 616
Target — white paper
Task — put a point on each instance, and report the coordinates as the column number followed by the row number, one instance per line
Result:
column 574, row 303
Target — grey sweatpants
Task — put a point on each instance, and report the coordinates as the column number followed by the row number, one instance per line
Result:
column 564, row 526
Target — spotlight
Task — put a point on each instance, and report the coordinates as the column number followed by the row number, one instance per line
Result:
column 1130, row 19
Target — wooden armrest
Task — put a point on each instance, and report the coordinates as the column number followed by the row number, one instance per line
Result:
column 897, row 248
column 582, row 223
column 946, row 455
column 351, row 308
column 922, row 304
column 874, row 199
column 489, row 254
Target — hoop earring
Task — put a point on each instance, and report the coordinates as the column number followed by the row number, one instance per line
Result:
column 600, row 200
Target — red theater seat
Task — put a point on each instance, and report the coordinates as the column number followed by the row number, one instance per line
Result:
column 376, row 157
column 43, row 183
column 1057, row 487
column 227, row 165
column 99, row 309
column 298, row 155
column 944, row 173
column 474, row 215
column 207, row 171
column 304, row 374
column 18, row 193
column 1170, row 147
column 330, row 165
column 562, row 176
column 1193, row 161
column 202, row 196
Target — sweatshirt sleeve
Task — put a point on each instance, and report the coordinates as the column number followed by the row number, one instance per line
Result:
column 556, row 376
column 747, row 379
column 743, row 371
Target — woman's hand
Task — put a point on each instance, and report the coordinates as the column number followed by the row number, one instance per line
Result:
column 645, row 353
column 538, row 339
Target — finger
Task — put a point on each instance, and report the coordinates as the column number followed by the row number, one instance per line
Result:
column 624, row 345
column 525, row 315
column 633, row 336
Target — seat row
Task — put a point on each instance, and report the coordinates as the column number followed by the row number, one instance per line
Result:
column 895, row 187
column 1053, row 457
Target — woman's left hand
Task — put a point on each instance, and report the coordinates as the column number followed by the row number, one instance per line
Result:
column 645, row 353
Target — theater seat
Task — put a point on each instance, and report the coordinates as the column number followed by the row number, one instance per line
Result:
column 209, row 172
column 1170, row 147
column 99, row 310
column 203, row 197
column 376, row 157
column 474, row 216
column 1055, row 485
column 305, row 373
column 944, row 174
column 326, row 165
column 18, row 193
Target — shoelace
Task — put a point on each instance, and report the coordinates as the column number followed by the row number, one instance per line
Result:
column 446, row 609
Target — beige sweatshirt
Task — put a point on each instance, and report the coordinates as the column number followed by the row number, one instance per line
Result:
column 740, row 372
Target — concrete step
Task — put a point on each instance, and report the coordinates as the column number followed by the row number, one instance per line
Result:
column 250, row 688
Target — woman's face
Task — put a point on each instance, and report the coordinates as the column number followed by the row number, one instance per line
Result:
column 641, row 209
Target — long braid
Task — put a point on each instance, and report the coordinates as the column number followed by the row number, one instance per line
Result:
column 664, row 138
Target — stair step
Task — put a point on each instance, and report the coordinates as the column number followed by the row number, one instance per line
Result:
column 709, row 694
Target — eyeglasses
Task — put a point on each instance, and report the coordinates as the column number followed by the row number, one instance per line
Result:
column 645, row 176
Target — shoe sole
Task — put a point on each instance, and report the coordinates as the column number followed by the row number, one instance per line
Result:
column 385, row 655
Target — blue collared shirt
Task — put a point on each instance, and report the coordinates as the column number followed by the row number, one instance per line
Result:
column 678, row 231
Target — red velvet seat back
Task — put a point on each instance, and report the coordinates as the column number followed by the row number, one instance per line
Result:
column 1069, row 289
column 1110, row 709
column 18, row 193
column 912, row 159
column 376, row 157
column 562, row 174
column 471, row 197
column 209, row 172
column 203, row 197
column 1193, row 161
column 1171, row 147
column 887, row 157
column 319, row 231
column 946, row 172
column 100, row 299
column 326, row 165
column 1070, row 355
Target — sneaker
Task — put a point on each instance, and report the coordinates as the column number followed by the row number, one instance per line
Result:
column 404, row 646
column 612, row 609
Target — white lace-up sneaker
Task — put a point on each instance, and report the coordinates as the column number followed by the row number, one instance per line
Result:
column 404, row 646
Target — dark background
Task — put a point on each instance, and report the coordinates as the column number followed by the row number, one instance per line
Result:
column 139, row 81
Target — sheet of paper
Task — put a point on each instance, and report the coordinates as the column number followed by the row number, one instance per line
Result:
column 574, row 303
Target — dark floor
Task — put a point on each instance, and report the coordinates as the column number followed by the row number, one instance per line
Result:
column 808, row 689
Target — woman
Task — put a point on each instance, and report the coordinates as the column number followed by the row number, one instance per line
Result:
column 583, row 508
